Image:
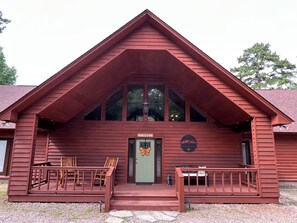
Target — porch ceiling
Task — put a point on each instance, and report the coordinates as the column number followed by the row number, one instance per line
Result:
column 159, row 62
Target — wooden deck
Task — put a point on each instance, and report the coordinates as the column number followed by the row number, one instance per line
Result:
column 217, row 185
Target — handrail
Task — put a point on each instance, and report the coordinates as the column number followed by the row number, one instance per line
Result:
column 43, row 179
column 179, row 187
column 221, row 181
column 50, row 177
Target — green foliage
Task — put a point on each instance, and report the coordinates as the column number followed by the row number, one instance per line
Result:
column 260, row 68
column 7, row 75
column 3, row 22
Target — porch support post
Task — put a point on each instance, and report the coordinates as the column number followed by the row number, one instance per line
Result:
column 265, row 158
column 22, row 155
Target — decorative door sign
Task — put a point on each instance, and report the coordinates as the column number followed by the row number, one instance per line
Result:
column 188, row 143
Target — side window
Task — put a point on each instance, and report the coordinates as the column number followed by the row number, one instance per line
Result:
column 94, row 114
column 114, row 106
column 176, row 108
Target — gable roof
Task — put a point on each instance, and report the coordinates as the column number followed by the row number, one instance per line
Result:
column 285, row 100
column 146, row 17
column 9, row 94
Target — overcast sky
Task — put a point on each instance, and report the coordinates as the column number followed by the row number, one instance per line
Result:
column 46, row 35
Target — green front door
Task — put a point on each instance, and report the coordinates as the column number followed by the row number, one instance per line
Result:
column 145, row 161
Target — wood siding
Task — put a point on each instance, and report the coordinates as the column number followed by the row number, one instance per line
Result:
column 21, row 155
column 6, row 134
column 286, row 154
column 41, row 147
column 145, row 37
column 264, row 157
column 93, row 141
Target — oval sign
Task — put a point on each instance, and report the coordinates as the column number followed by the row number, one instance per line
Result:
column 188, row 143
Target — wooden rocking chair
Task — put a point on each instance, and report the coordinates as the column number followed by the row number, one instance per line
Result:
column 100, row 175
column 69, row 161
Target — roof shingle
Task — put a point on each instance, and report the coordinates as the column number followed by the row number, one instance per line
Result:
column 286, row 101
column 10, row 94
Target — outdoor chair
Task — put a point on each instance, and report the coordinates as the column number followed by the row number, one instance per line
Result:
column 69, row 161
column 100, row 175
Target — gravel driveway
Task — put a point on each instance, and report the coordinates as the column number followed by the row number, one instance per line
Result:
column 286, row 211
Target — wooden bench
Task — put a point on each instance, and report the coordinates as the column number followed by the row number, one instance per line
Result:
column 202, row 176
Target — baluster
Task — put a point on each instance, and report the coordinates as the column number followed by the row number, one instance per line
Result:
column 48, row 174
column 231, row 182
column 39, row 178
column 189, row 182
column 240, row 183
column 197, row 181
column 214, row 182
column 248, row 181
column 83, row 180
column 223, row 181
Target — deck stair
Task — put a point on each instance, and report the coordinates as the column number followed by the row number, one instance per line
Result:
column 146, row 199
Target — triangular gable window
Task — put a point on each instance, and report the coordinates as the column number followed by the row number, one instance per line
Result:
column 94, row 114
column 176, row 108
column 114, row 106
column 196, row 116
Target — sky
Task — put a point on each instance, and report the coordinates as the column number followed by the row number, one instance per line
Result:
column 46, row 35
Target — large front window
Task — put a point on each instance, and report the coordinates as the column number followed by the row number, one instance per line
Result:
column 145, row 102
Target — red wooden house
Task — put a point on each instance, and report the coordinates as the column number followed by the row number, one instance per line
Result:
column 168, row 111
column 285, row 136
column 8, row 95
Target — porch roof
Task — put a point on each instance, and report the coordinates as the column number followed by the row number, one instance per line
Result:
column 61, row 112
column 10, row 94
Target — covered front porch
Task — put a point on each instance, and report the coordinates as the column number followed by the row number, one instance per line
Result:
column 217, row 185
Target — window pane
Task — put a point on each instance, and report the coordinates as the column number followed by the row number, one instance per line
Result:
column 159, row 156
column 156, row 103
column 135, row 103
column 95, row 114
column 3, row 144
column 176, row 108
column 114, row 106
column 195, row 116
column 131, row 157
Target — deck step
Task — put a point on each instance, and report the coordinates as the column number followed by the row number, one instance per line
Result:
column 145, row 197
column 151, row 205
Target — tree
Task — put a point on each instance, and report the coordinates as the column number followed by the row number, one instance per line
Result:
column 260, row 68
column 3, row 22
column 7, row 74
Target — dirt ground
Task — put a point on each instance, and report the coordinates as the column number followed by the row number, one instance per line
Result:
column 285, row 211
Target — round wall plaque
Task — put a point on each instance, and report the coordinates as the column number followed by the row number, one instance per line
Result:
column 188, row 143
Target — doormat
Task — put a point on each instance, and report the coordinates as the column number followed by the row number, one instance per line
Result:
column 144, row 183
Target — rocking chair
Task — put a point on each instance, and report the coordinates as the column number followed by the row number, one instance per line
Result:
column 100, row 175
column 68, row 161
